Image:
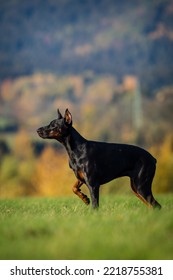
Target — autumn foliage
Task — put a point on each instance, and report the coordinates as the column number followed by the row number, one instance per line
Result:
column 52, row 174
column 102, row 110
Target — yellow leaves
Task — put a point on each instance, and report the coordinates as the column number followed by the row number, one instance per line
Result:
column 52, row 174
column 24, row 174
column 22, row 145
column 166, row 150
column 101, row 92
column 163, row 181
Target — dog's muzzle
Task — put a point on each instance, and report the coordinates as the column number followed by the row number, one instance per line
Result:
column 40, row 132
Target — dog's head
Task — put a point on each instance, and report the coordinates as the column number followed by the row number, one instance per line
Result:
column 58, row 128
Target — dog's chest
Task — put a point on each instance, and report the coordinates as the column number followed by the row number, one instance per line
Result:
column 78, row 168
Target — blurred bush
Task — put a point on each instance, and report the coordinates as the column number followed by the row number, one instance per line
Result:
column 163, row 181
column 52, row 175
column 17, row 168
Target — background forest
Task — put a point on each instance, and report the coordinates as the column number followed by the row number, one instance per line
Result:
column 109, row 62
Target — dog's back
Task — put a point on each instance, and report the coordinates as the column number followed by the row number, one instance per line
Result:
column 111, row 161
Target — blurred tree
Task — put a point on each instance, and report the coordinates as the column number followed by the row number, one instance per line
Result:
column 9, row 180
column 163, row 181
column 52, row 175
column 4, row 149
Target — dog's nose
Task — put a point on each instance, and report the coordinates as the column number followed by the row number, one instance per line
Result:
column 39, row 130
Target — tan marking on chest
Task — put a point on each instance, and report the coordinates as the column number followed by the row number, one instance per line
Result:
column 80, row 174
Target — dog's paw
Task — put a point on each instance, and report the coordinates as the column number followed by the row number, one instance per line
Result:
column 86, row 200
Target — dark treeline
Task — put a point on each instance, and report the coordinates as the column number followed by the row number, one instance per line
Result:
column 72, row 37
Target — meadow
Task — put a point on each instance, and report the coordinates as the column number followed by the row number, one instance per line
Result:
column 64, row 228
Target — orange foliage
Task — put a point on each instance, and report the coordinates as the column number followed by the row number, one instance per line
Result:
column 52, row 174
column 130, row 83
column 22, row 146
column 6, row 94
column 163, row 181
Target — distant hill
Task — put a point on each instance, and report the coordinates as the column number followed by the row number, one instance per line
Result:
column 104, row 36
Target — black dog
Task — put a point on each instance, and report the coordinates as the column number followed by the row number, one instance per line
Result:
column 96, row 163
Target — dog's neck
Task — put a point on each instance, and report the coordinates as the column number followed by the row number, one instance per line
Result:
column 73, row 141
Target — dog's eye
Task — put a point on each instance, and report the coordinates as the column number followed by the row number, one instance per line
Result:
column 52, row 124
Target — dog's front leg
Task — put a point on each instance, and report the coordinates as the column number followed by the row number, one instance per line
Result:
column 94, row 192
column 77, row 191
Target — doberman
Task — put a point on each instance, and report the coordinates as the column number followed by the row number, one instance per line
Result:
column 96, row 163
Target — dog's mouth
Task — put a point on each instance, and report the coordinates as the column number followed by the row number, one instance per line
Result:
column 40, row 133
column 46, row 134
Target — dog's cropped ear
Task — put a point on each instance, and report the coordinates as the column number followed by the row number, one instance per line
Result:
column 68, row 117
column 59, row 114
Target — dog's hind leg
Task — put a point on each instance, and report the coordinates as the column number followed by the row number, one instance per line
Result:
column 143, row 183
column 146, row 193
column 77, row 191
column 136, row 193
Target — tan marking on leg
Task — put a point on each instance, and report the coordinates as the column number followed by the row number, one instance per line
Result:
column 143, row 200
column 77, row 191
column 81, row 175
column 140, row 196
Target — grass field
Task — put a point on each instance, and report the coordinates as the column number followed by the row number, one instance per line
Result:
column 64, row 228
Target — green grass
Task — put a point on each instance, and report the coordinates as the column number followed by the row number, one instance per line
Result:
column 64, row 228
